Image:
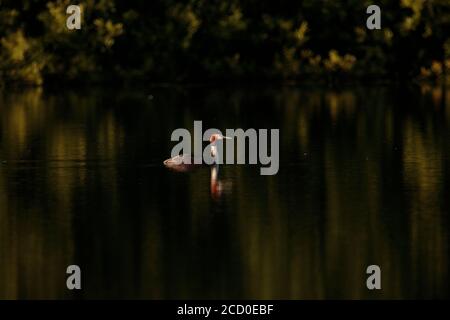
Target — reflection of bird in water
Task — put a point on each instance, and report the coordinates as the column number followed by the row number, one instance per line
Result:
column 216, row 184
column 186, row 162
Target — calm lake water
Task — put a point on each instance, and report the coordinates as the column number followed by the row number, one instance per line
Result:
column 364, row 179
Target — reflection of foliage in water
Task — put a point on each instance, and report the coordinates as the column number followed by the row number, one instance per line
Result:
column 360, row 182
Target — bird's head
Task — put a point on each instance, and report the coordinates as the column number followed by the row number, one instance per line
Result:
column 217, row 136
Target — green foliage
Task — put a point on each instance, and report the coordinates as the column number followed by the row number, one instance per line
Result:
column 168, row 40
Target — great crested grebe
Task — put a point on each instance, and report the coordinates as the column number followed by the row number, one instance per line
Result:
column 187, row 162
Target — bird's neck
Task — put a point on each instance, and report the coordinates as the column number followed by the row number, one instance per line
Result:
column 214, row 154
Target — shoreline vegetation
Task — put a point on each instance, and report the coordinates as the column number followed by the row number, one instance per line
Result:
column 194, row 41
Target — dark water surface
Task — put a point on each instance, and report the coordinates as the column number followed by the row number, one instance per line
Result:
column 364, row 179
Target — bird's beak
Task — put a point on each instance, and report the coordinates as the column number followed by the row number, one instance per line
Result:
column 225, row 137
